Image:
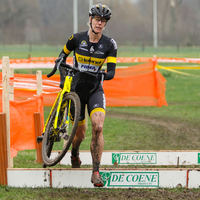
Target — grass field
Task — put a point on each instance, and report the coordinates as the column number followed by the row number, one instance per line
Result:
column 24, row 51
column 172, row 127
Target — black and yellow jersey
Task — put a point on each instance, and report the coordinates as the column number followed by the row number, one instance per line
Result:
column 91, row 56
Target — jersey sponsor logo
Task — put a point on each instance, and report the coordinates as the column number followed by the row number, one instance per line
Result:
column 114, row 44
column 104, row 102
column 71, row 37
column 96, row 105
column 85, row 60
column 89, row 60
column 87, row 67
column 83, row 44
column 83, row 49
column 100, row 46
column 91, row 49
column 99, row 52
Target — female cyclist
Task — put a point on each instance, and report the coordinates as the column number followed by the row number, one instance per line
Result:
column 91, row 48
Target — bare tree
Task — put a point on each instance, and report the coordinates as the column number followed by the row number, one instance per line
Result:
column 51, row 22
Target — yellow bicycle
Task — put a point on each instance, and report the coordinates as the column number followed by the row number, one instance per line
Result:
column 58, row 132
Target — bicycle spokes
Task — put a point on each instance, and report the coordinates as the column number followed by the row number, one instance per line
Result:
column 59, row 134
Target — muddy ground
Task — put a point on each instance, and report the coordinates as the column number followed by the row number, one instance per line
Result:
column 142, row 194
column 126, row 194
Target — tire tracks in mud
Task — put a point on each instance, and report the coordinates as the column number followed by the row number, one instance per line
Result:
column 170, row 124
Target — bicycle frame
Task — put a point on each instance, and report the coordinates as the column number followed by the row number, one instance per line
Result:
column 59, row 98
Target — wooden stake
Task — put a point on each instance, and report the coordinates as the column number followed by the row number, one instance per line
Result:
column 39, row 82
column 37, row 120
column 38, row 132
column 6, row 104
column 3, row 150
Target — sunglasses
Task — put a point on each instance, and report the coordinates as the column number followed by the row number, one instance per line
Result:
column 98, row 19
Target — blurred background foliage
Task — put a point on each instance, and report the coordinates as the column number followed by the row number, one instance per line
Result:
column 50, row 22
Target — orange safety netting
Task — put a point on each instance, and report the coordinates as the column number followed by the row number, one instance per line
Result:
column 25, row 86
column 22, row 130
column 40, row 60
column 138, row 85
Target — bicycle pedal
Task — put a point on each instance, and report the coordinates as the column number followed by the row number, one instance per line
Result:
column 65, row 136
column 39, row 139
column 43, row 165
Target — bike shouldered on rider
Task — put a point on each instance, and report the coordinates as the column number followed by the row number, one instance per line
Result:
column 91, row 48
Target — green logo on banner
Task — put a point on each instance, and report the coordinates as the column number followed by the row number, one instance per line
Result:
column 198, row 158
column 130, row 179
column 134, row 158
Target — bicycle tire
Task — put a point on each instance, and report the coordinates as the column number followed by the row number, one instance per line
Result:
column 49, row 137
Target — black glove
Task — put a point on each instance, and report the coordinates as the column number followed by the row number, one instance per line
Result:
column 62, row 76
column 62, row 70
column 100, row 74
column 62, row 55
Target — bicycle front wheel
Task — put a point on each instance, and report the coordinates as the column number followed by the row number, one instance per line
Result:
column 56, row 142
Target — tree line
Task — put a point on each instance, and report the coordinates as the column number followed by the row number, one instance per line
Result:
column 51, row 22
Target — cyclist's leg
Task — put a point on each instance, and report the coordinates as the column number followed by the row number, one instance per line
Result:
column 96, row 109
column 78, row 138
column 97, row 142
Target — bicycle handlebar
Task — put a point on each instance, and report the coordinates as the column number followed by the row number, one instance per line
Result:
column 52, row 72
column 60, row 63
column 57, row 65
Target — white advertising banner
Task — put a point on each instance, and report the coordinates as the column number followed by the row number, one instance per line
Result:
column 140, row 158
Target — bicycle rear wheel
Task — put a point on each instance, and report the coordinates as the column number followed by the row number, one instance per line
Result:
column 60, row 140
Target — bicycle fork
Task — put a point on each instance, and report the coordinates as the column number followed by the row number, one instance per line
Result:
column 56, row 128
column 65, row 125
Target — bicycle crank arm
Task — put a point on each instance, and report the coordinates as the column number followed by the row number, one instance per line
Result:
column 39, row 139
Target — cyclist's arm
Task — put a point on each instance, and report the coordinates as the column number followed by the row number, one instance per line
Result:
column 110, row 71
column 111, row 61
column 68, row 48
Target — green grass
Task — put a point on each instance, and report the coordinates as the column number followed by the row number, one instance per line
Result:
column 23, row 51
column 162, row 51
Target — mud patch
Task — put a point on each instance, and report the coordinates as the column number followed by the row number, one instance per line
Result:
column 130, row 193
column 170, row 124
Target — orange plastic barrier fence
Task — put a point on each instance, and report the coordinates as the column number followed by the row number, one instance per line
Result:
column 36, row 60
column 119, row 60
column 22, row 131
column 157, row 59
column 25, row 86
column 138, row 85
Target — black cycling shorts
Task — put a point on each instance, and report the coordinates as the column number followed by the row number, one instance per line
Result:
column 96, row 102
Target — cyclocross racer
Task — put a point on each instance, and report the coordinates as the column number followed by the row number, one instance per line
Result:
column 91, row 49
